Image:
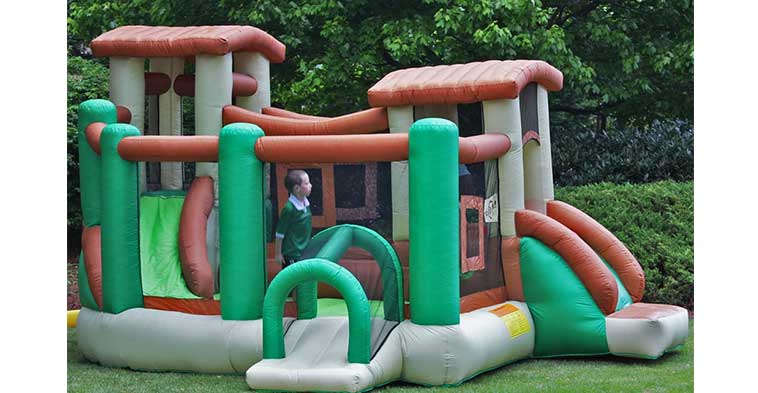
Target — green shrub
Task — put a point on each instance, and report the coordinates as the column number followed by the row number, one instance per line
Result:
column 656, row 222
column 661, row 151
column 87, row 79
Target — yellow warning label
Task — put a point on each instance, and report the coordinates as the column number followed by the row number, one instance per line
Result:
column 514, row 319
column 517, row 323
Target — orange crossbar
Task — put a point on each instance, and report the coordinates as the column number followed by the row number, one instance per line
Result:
column 296, row 149
column 159, row 148
column 368, row 148
column 332, row 149
column 483, row 147
column 243, row 85
column 92, row 132
column 203, row 148
column 123, row 114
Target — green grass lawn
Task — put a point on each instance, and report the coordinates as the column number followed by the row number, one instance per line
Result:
column 674, row 372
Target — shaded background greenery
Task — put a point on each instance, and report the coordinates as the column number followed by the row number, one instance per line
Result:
column 625, row 114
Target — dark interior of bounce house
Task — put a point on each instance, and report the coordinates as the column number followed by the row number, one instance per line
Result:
column 343, row 193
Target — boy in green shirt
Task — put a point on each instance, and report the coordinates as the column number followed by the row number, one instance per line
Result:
column 293, row 231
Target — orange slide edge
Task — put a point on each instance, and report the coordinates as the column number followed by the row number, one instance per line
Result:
column 593, row 273
column 604, row 243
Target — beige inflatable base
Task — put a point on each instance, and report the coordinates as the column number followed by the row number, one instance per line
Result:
column 316, row 352
column 144, row 339
column 646, row 330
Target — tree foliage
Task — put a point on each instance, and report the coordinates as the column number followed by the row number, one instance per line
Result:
column 630, row 61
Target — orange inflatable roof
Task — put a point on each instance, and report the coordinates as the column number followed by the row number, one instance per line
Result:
column 159, row 41
column 462, row 83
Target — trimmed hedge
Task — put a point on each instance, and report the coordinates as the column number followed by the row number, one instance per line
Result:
column 584, row 155
column 656, row 222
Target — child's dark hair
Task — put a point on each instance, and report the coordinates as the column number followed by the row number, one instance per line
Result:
column 293, row 178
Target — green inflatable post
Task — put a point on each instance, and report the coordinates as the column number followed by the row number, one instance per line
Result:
column 122, row 283
column 433, row 207
column 241, row 221
column 91, row 111
column 359, row 341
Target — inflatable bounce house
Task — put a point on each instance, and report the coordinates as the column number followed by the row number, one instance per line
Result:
column 478, row 265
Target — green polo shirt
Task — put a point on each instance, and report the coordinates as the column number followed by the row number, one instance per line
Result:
column 294, row 227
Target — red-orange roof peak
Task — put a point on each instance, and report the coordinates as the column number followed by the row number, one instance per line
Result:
column 462, row 83
column 164, row 41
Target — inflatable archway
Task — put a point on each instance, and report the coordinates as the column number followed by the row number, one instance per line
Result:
column 331, row 244
column 359, row 347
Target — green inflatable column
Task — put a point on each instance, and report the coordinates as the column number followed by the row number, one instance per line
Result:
column 91, row 111
column 433, row 207
column 241, row 223
column 307, row 300
column 122, row 282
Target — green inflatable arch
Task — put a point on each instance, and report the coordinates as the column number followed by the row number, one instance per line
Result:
column 359, row 342
column 332, row 243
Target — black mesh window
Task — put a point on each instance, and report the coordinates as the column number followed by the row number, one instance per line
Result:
column 349, row 186
column 317, row 191
column 479, row 179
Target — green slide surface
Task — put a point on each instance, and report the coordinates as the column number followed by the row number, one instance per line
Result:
column 625, row 299
column 567, row 320
column 159, row 246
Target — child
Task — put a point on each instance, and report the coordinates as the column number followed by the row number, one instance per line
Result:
column 293, row 231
